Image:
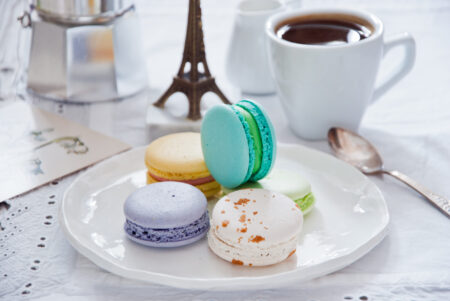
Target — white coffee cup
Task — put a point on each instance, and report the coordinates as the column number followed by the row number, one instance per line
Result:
column 321, row 86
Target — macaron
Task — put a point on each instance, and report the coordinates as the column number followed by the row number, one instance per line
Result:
column 255, row 227
column 238, row 143
column 166, row 214
column 178, row 157
column 287, row 182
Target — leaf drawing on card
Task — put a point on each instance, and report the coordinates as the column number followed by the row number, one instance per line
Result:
column 37, row 166
column 70, row 143
column 38, row 134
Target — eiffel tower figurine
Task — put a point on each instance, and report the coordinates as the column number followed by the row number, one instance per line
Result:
column 194, row 83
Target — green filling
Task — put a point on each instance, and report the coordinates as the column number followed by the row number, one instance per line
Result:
column 254, row 133
column 306, row 202
column 267, row 138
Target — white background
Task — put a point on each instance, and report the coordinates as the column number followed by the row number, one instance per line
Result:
column 410, row 126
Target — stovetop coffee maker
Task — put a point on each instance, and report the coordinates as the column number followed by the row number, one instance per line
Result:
column 84, row 50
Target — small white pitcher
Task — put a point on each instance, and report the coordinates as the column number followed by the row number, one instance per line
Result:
column 247, row 61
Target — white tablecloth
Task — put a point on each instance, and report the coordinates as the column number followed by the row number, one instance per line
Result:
column 410, row 126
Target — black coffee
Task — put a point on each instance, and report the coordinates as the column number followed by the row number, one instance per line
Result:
column 324, row 30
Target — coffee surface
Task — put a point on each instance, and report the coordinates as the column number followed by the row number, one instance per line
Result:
column 322, row 31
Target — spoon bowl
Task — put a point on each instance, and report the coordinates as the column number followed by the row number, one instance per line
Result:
column 356, row 150
column 359, row 152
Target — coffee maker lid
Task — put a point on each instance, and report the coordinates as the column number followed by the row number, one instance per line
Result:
column 82, row 11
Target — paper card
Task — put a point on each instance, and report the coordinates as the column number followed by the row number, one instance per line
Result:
column 37, row 147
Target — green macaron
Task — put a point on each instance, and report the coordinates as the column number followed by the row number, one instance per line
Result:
column 287, row 182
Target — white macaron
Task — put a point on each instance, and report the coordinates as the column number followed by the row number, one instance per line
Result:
column 255, row 227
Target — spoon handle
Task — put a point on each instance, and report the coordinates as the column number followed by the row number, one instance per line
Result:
column 440, row 202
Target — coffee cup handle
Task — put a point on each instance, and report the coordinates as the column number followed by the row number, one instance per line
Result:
column 407, row 41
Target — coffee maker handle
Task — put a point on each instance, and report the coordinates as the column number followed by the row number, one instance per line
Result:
column 407, row 42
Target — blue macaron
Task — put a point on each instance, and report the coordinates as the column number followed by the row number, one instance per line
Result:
column 238, row 143
column 166, row 214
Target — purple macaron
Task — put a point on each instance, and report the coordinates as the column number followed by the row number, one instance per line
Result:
column 166, row 214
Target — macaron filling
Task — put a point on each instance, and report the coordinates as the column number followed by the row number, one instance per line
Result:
column 251, row 149
column 253, row 131
column 305, row 203
column 198, row 181
column 196, row 228
column 254, row 135
column 266, row 132
column 173, row 176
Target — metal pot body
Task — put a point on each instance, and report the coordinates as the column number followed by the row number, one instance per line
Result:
column 87, row 63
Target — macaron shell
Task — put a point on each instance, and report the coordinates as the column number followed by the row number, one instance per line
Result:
column 251, row 257
column 176, row 154
column 211, row 192
column 172, row 237
column 165, row 205
column 255, row 227
column 256, row 218
column 225, row 147
column 172, row 244
column 284, row 181
column 255, row 136
column 209, row 189
column 267, row 134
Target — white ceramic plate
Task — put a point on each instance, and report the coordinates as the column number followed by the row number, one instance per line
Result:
column 350, row 218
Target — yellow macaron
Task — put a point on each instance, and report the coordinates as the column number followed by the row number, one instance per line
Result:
column 179, row 157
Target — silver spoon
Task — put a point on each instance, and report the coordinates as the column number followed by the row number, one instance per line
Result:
column 357, row 151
